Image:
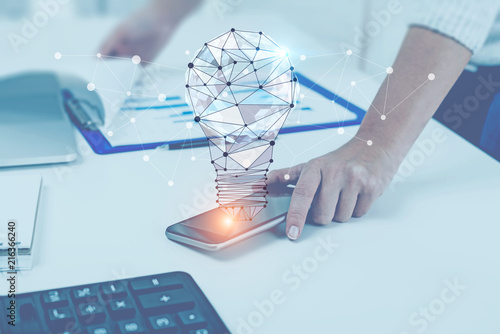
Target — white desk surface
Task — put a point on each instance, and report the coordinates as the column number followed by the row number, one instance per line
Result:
column 104, row 218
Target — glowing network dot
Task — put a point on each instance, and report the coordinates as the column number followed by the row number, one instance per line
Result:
column 162, row 97
column 58, row 55
column 302, row 96
column 132, row 120
column 431, row 76
column 298, row 122
column 389, row 70
column 283, row 53
column 383, row 117
column 340, row 131
column 369, row 143
column 136, row 59
column 99, row 55
column 145, row 157
column 170, row 183
column 187, row 52
column 91, row 86
column 110, row 133
column 286, row 176
column 189, row 125
column 349, row 52
column 193, row 158
column 303, row 57
column 353, row 83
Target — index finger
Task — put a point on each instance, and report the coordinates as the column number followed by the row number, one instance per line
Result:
column 278, row 180
column 302, row 197
column 285, row 175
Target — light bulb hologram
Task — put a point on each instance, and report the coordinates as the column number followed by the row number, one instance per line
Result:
column 241, row 86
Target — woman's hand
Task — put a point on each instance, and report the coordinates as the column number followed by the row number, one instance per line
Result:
column 147, row 31
column 346, row 182
column 339, row 185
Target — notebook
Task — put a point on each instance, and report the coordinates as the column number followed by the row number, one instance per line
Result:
column 19, row 196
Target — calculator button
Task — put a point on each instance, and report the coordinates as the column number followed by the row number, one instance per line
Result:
column 121, row 308
column 152, row 284
column 28, row 318
column 90, row 313
column 99, row 330
column 130, row 326
column 54, row 298
column 84, row 294
column 192, row 319
column 166, row 302
column 60, row 318
column 72, row 328
column 113, row 290
column 200, row 331
column 27, row 312
column 163, row 324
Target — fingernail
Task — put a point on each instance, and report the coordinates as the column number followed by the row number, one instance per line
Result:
column 293, row 232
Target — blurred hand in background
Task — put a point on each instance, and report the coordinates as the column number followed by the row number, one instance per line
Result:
column 148, row 30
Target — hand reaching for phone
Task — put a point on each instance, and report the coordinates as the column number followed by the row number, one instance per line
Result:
column 346, row 182
column 339, row 185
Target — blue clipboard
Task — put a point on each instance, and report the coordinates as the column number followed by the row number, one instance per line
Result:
column 101, row 145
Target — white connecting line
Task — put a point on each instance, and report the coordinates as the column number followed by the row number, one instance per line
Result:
column 344, row 60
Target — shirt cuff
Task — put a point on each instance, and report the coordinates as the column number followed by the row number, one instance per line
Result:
column 468, row 22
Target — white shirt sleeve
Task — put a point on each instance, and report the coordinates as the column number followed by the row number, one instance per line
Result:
column 468, row 22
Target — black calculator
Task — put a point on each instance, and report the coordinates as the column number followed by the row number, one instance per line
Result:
column 164, row 303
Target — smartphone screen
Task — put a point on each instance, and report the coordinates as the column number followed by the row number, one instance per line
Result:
column 215, row 226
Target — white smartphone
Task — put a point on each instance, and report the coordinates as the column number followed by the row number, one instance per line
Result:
column 214, row 229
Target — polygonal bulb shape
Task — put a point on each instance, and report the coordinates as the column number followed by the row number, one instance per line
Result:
column 241, row 86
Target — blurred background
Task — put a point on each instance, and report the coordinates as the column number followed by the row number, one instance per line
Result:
column 373, row 29
column 19, row 8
